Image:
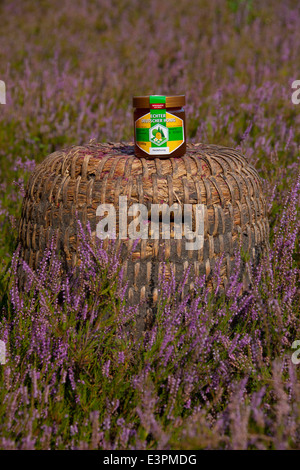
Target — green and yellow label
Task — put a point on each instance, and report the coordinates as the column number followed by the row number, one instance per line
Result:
column 159, row 132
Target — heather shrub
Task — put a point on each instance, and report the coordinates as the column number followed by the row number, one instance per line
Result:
column 207, row 374
column 215, row 371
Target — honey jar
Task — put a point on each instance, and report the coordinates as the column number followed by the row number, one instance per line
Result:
column 159, row 126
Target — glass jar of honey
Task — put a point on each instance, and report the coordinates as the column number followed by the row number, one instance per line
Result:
column 159, row 126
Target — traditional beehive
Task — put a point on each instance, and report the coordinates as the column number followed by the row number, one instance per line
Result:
column 79, row 178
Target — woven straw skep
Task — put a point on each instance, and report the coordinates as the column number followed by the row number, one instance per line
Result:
column 80, row 178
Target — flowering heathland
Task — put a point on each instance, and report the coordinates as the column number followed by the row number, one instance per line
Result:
column 216, row 370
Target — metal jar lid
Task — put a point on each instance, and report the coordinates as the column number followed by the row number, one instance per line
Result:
column 171, row 101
